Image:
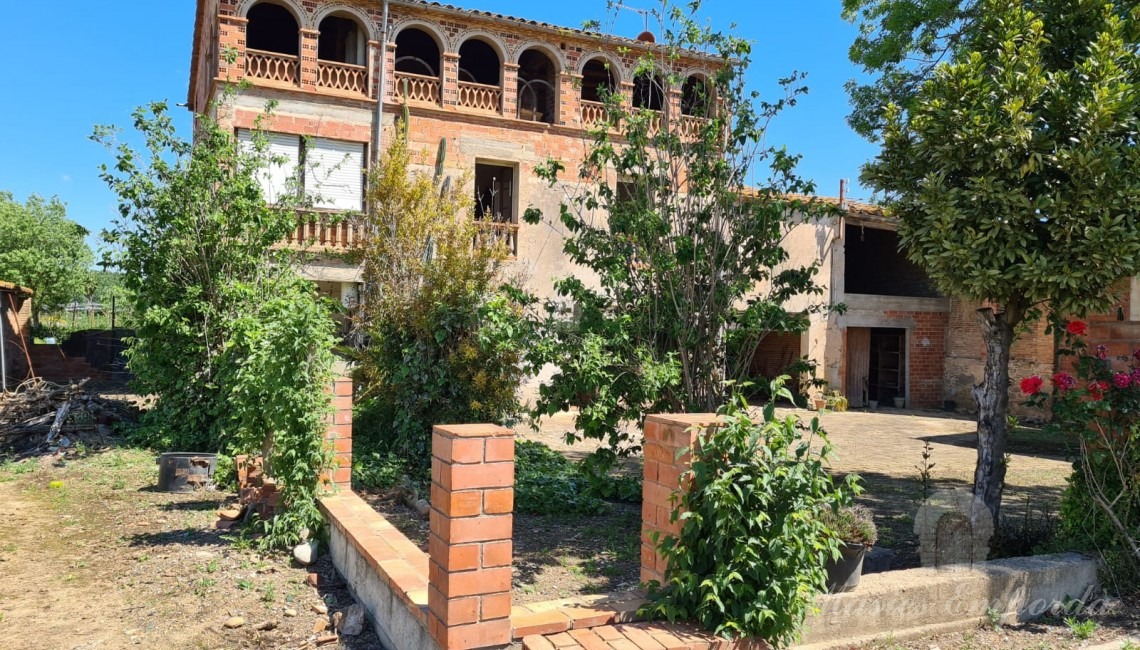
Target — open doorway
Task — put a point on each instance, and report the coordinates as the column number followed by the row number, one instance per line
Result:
column 876, row 365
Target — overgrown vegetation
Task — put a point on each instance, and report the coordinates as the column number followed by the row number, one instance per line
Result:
column 1011, row 168
column 688, row 258
column 443, row 338
column 548, row 483
column 233, row 344
column 749, row 559
column 1099, row 408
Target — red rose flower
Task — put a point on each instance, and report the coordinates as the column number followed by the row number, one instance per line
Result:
column 1097, row 389
column 1032, row 385
column 1077, row 328
column 1122, row 380
column 1063, row 381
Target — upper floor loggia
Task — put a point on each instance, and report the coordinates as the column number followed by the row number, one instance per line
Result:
column 435, row 59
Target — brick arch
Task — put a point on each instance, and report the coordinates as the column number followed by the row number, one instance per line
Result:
column 494, row 41
column 431, row 29
column 616, row 67
column 294, row 8
column 554, row 54
column 362, row 19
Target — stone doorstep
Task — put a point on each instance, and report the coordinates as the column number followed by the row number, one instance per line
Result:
column 399, row 562
column 580, row 613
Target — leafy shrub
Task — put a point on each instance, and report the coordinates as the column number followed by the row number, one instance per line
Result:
column 750, row 556
column 853, row 524
column 236, row 347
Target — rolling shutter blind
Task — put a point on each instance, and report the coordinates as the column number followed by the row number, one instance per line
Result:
column 285, row 154
column 334, row 173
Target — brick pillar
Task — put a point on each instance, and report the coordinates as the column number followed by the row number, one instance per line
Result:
column 672, row 106
column 231, row 36
column 450, row 78
column 392, row 88
column 340, row 432
column 665, row 437
column 309, row 59
column 569, row 100
column 375, row 67
column 510, row 105
column 472, row 498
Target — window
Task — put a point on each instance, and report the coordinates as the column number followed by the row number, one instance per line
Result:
column 494, row 193
column 478, row 63
column 284, row 152
column 332, row 173
column 597, row 80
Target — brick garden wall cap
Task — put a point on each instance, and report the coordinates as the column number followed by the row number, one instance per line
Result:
column 685, row 419
column 472, row 431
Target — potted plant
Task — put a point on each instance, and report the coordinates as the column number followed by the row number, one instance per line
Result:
column 836, row 401
column 855, row 528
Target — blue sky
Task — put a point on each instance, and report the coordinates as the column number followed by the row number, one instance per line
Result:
column 86, row 63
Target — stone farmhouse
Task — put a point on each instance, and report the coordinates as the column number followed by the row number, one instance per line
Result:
column 508, row 93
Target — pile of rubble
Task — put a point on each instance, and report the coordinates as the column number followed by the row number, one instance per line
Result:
column 43, row 416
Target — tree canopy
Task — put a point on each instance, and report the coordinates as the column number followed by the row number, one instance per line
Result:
column 43, row 250
column 1014, row 174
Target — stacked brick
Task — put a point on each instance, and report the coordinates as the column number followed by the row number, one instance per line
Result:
column 472, row 499
column 339, row 433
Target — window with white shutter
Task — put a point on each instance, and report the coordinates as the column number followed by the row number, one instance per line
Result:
column 284, row 153
column 334, row 173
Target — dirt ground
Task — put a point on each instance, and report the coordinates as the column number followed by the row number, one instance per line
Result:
column 92, row 557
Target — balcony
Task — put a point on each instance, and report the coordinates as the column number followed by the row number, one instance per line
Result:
column 321, row 231
column 481, row 97
column 493, row 234
column 271, row 66
column 691, row 127
column 343, row 77
column 418, row 88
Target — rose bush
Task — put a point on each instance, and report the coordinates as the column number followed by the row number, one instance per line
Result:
column 1097, row 406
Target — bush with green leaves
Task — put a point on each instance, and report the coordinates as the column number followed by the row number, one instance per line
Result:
column 749, row 559
column 235, row 347
column 546, row 482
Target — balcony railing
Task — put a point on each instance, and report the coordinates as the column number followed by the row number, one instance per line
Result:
column 593, row 112
column 418, row 87
column 480, row 96
column 505, row 234
column 323, row 232
column 691, row 126
column 343, row 76
column 283, row 68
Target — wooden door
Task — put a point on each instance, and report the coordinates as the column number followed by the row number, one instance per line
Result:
column 858, row 365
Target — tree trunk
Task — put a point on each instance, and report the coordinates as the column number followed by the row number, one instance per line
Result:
column 992, row 396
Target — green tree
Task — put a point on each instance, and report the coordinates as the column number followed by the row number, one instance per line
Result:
column 1014, row 176
column 43, row 250
column 235, row 346
column 688, row 257
column 443, row 338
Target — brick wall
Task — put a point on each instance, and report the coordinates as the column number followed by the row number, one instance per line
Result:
column 1032, row 354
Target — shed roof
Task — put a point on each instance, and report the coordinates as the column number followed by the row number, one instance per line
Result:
column 8, row 287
